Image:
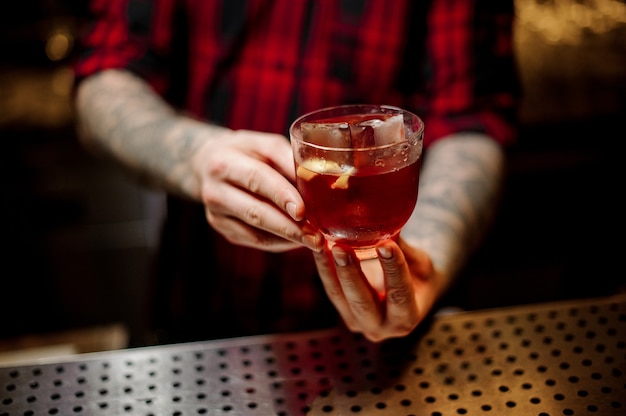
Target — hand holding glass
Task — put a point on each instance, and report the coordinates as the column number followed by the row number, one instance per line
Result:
column 357, row 169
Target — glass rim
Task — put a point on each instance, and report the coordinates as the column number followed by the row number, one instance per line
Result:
column 419, row 132
column 354, row 149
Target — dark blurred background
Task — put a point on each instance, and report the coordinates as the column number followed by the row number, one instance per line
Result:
column 78, row 237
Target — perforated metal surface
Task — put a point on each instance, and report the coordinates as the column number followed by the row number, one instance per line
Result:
column 546, row 360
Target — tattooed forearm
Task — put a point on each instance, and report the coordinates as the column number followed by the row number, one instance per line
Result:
column 459, row 188
column 122, row 116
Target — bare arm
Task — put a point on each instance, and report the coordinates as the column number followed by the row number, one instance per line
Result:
column 243, row 178
column 121, row 116
column 459, row 191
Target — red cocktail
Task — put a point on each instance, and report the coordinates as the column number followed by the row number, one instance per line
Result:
column 358, row 171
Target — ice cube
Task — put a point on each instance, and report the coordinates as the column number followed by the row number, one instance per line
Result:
column 327, row 134
column 362, row 133
column 378, row 131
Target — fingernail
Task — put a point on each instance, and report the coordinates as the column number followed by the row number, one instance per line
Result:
column 384, row 252
column 341, row 257
column 291, row 210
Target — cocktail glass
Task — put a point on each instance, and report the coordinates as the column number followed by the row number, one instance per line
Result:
column 357, row 171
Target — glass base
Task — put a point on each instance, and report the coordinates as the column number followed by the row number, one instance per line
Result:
column 366, row 253
column 370, row 266
column 362, row 253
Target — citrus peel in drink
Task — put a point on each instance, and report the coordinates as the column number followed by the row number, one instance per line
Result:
column 315, row 166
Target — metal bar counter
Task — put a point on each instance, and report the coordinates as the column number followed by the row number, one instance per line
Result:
column 562, row 358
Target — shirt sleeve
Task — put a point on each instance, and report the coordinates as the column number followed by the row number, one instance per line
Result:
column 127, row 34
column 473, row 84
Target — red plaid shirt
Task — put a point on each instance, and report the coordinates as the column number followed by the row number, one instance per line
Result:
column 259, row 64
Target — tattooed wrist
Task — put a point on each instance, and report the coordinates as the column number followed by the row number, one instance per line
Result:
column 459, row 188
column 123, row 117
